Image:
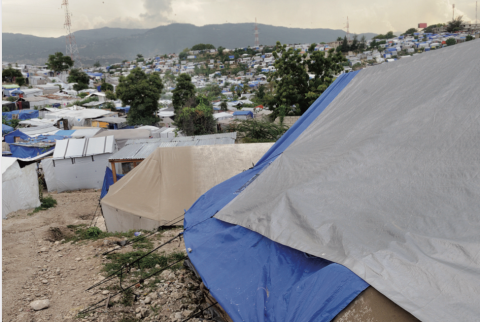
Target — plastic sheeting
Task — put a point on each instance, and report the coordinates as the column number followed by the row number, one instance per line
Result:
column 108, row 181
column 25, row 152
column 252, row 277
column 390, row 191
column 6, row 129
column 10, row 137
column 49, row 172
column 19, row 187
column 170, row 180
column 22, row 114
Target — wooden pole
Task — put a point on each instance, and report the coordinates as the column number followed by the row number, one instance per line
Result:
column 114, row 172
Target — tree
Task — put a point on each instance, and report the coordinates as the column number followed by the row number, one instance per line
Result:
column 196, row 120
column 339, row 38
column 261, row 92
column 455, row 24
column 363, row 43
column 139, row 56
column 79, row 77
column 97, row 64
column 451, row 42
column 259, row 130
column 106, row 86
column 224, row 106
column 20, row 81
column 345, row 46
column 110, row 95
column 410, row 31
column 141, row 92
column 469, row 37
column 354, row 46
column 184, row 90
column 59, row 63
column 203, row 47
column 294, row 86
column 10, row 73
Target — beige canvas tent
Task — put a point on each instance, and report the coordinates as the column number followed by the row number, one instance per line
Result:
column 170, row 180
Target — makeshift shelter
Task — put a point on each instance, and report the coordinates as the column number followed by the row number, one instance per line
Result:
column 78, row 164
column 20, row 114
column 79, row 116
column 170, row 180
column 19, row 186
column 6, row 129
column 122, row 136
column 16, row 136
column 243, row 115
column 356, row 191
column 112, row 123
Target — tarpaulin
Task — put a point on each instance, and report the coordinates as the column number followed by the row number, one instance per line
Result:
column 22, row 114
column 23, row 152
column 6, row 129
column 390, row 191
column 108, row 181
column 252, row 277
column 10, row 137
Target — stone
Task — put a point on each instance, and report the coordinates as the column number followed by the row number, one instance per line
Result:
column 78, row 259
column 186, row 313
column 43, row 250
column 148, row 300
column 178, row 316
column 40, row 304
column 44, row 281
column 105, row 292
column 153, row 296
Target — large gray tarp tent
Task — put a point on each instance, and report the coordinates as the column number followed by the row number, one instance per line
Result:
column 385, row 181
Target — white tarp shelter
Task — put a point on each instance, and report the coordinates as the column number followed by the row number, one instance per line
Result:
column 79, row 116
column 78, row 164
column 19, row 186
column 386, row 183
column 170, row 180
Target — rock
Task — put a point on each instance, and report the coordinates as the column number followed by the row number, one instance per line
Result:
column 44, row 281
column 138, row 316
column 78, row 259
column 178, row 316
column 43, row 250
column 40, row 304
column 148, row 300
column 186, row 313
column 157, row 266
column 153, row 296
column 105, row 292
column 57, row 242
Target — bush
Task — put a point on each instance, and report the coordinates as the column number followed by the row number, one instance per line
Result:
column 253, row 131
column 196, row 120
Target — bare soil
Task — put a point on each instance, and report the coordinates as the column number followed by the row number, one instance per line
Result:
column 35, row 266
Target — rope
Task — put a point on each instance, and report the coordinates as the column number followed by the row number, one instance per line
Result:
column 91, row 308
column 131, row 263
column 192, row 316
column 91, row 222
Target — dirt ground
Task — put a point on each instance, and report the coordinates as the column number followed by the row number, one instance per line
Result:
column 36, row 268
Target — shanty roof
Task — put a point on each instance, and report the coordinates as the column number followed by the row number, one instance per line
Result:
column 32, row 131
column 142, row 148
column 114, row 120
column 77, row 148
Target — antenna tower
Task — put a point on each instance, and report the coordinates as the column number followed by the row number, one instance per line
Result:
column 453, row 12
column 348, row 29
column 72, row 49
column 257, row 42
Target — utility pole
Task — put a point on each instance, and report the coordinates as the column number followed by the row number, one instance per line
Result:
column 257, row 42
column 72, row 49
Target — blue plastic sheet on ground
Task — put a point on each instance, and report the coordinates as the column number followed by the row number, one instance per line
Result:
column 10, row 137
column 252, row 277
column 108, row 181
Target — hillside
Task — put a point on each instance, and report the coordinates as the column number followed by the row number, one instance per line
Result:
column 116, row 44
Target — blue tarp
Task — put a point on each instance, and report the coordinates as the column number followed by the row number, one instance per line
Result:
column 252, row 277
column 22, row 114
column 125, row 109
column 247, row 113
column 6, row 129
column 108, row 181
column 20, row 151
column 10, row 137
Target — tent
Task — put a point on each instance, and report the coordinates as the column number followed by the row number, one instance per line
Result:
column 167, row 182
column 15, row 136
column 19, row 186
column 78, row 164
column 384, row 194
column 7, row 129
column 20, row 114
column 122, row 136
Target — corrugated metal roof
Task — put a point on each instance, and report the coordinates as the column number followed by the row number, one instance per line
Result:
column 142, row 148
column 38, row 130
column 76, row 148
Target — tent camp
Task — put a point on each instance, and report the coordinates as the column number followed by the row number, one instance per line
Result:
column 357, row 192
column 170, row 180
column 19, row 186
column 122, row 136
column 78, row 164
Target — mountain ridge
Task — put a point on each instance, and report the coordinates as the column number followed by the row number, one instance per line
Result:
column 110, row 45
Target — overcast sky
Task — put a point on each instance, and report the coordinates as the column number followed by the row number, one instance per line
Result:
column 46, row 17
